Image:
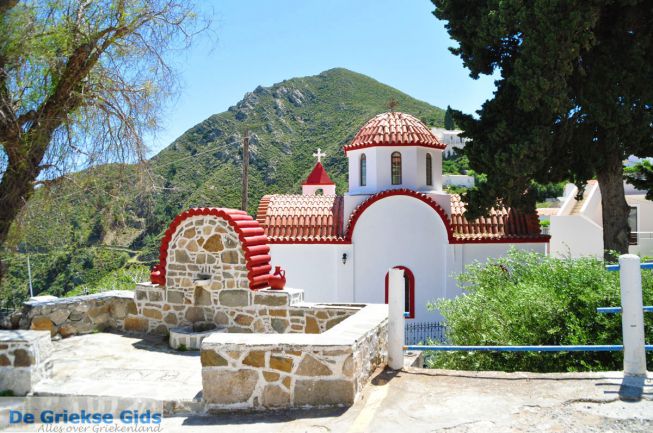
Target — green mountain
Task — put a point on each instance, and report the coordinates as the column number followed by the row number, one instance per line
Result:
column 85, row 229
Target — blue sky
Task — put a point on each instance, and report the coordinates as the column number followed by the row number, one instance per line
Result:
column 399, row 43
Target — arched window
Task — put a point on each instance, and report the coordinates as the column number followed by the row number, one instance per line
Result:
column 395, row 161
column 409, row 291
column 319, row 191
column 429, row 169
column 363, row 170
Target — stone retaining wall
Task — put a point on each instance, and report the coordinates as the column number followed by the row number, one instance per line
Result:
column 257, row 371
column 239, row 310
column 24, row 359
column 79, row 314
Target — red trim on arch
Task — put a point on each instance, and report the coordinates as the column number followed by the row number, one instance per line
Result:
column 411, row 289
column 253, row 241
column 287, row 228
column 355, row 216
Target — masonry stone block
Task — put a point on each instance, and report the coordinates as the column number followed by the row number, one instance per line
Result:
column 194, row 314
column 309, row 366
column 43, row 323
column 270, row 300
column 136, row 324
column 281, row 363
column 275, row 396
column 228, row 387
column 323, row 392
column 255, row 358
column 210, row 358
column 234, row 298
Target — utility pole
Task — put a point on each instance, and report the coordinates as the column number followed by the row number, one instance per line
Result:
column 29, row 275
column 245, row 169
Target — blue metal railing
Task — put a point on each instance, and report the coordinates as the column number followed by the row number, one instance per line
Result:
column 588, row 348
column 568, row 348
column 615, row 310
column 642, row 266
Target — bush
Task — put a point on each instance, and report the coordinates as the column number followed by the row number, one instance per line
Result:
column 529, row 299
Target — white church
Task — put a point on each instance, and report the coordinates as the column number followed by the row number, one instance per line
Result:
column 395, row 214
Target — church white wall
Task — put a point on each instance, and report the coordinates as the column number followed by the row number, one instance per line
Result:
column 401, row 231
column 317, row 269
column 312, row 189
column 379, row 173
column 472, row 253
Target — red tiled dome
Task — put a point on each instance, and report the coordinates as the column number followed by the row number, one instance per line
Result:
column 394, row 129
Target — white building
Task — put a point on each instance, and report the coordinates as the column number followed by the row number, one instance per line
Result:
column 450, row 138
column 395, row 214
column 577, row 227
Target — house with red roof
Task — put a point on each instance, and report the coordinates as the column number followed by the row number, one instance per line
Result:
column 394, row 214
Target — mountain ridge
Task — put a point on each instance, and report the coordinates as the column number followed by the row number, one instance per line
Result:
column 123, row 209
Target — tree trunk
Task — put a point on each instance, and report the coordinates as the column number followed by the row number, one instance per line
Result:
column 614, row 208
column 15, row 188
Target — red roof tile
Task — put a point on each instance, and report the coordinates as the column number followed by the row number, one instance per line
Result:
column 502, row 224
column 318, row 176
column 319, row 219
column 301, row 218
column 394, row 129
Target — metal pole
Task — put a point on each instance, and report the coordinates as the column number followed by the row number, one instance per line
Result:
column 29, row 275
column 396, row 297
column 245, row 170
column 632, row 316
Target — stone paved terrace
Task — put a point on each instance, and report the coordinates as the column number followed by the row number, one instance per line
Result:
column 424, row 400
column 107, row 364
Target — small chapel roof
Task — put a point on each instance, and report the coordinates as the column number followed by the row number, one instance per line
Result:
column 301, row 218
column 394, row 129
column 318, row 176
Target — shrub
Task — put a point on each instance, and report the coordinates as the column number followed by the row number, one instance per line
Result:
column 529, row 299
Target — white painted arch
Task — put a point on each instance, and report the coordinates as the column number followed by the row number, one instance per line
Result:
column 400, row 230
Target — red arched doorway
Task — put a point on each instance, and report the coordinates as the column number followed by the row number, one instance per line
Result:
column 409, row 291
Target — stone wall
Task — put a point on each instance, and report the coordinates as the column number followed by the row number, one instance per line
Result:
column 256, row 371
column 24, row 359
column 238, row 310
column 79, row 314
column 204, row 248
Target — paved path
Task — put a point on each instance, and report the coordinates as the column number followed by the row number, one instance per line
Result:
column 410, row 401
column 418, row 400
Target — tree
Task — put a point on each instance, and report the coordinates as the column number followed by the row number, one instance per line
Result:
column 80, row 82
column 640, row 176
column 574, row 98
column 448, row 119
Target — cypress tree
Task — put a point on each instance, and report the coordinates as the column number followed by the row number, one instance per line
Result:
column 574, row 97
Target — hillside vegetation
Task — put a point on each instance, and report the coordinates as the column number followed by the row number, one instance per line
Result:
column 100, row 228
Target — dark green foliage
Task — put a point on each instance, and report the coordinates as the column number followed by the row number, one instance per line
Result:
column 127, row 207
column 640, row 176
column 58, row 272
column 549, row 190
column 573, row 99
column 529, row 299
column 457, row 163
column 448, row 119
